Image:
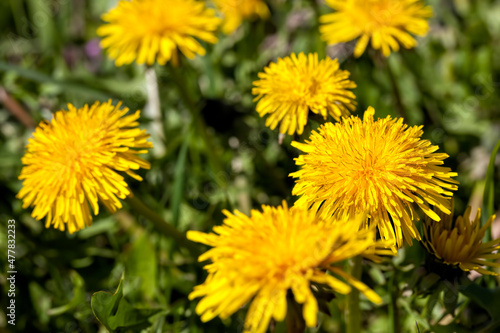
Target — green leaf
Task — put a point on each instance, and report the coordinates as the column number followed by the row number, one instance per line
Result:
column 115, row 313
column 18, row 14
column 489, row 299
column 377, row 275
column 450, row 297
column 141, row 264
column 78, row 296
column 41, row 302
column 489, row 192
column 449, row 328
column 432, row 301
column 68, row 85
column 42, row 22
column 103, row 225
column 429, row 281
column 178, row 186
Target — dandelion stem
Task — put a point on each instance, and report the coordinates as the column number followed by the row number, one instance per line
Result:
column 353, row 312
column 152, row 90
column 166, row 228
column 159, row 124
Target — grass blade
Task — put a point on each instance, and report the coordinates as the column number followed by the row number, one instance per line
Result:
column 489, row 190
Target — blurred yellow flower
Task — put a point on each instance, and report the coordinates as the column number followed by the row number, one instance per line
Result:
column 381, row 168
column 152, row 30
column 235, row 11
column 289, row 89
column 461, row 243
column 260, row 258
column 386, row 22
column 73, row 161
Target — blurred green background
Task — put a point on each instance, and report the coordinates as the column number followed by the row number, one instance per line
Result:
column 50, row 56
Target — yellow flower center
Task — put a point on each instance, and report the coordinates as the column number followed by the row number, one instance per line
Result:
column 81, row 153
column 161, row 22
column 377, row 13
column 313, row 87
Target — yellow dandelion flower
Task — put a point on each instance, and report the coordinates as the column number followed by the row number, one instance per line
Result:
column 235, row 11
column 381, row 168
column 289, row 89
column 259, row 258
column 461, row 243
column 386, row 22
column 75, row 160
column 152, row 30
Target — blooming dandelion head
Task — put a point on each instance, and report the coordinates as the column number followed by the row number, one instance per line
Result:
column 293, row 86
column 152, row 30
column 460, row 243
column 262, row 257
column 76, row 160
column 387, row 23
column 235, row 11
column 382, row 168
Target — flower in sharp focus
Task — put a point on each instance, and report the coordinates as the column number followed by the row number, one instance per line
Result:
column 387, row 23
column 76, row 160
column 260, row 258
column 152, row 30
column 382, row 168
column 293, row 86
column 461, row 243
column 235, row 11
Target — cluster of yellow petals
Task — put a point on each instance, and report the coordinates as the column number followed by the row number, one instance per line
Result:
column 152, row 30
column 386, row 22
column 74, row 161
column 262, row 257
column 379, row 167
column 235, row 11
column 293, row 86
column 461, row 243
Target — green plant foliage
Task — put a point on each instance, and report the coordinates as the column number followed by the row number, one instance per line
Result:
column 116, row 314
column 489, row 186
column 489, row 299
